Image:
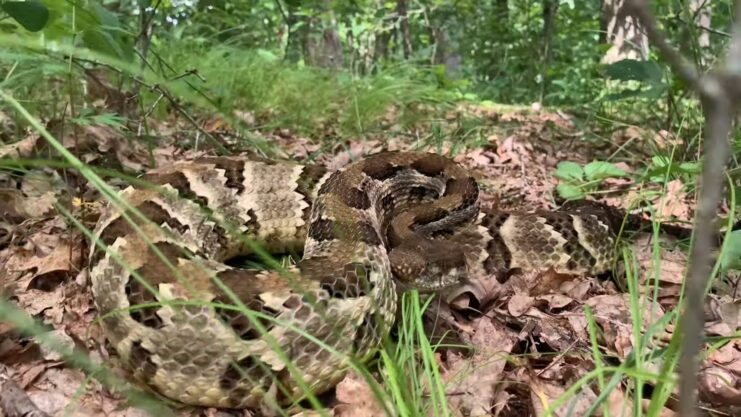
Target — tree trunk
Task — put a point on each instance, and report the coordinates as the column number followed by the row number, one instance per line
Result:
column 295, row 41
column 406, row 35
column 625, row 33
column 382, row 46
column 604, row 20
column 446, row 52
column 321, row 41
column 501, row 10
column 332, row 56
column 381, row 39
column 701, row 12
column 550, row 8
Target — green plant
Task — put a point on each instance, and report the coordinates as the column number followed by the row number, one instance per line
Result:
column 578, row 181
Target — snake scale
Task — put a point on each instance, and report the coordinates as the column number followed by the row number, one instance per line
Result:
column 202, row 332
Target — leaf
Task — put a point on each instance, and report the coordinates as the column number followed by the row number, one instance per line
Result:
column 651, row 93
column 569, row 171
column 569, row 191
column 105, row 119
column 690, row 167
column 656, row 92
column 103, row 42
column 108, row 20
column 623, row 95
column 731, row 256
column 268, row 56
column 630, row 69
column 660, row 161
column 32, row 15
column 599, row 170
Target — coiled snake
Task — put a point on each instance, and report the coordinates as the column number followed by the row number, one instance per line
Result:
column 173, row 309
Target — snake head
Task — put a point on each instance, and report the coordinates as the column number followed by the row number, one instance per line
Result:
column 428, row 265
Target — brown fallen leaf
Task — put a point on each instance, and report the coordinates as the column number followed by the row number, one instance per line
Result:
column 356, row 398
column 518, row 304
column 476, row 158
column 31, row 374
column 356, row 149
column 556, row 301
column 15, row 206
column 38, row 268
column 95, row 142
column 22, row 149
column 613, row 314
column 511, row 151
column 553, row 330
column 301, row 147
column 672, row 264
column 13, row 400
column 35, row 302
column 543, row 393
column 47, row 270
column 474, row 380
column 548, row 281
column 14, row 348
column 665, row 139
column 674, row 202
column 720, row 377
column 724, row 315
column 64, row 345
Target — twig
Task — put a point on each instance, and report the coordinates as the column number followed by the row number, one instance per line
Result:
column 142, row 120
column 283, row 14
column 145, row 34
column 178, row 108
column 144, row 38
column 720, row 95
column 164, row 93
column 194, row 72
column 705, row 28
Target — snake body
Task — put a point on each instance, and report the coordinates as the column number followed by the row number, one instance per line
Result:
column 206, row 333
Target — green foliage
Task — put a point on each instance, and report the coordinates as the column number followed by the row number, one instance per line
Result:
column 578, row 181
column 731, row 256
column 600, row 170
column 505, row 43
column 473, row 50
column 648, row 73
column 631, row 69
column 87, row 117
column 31, row 15
column 308, row 100
column 84, row 23
column 662, row 167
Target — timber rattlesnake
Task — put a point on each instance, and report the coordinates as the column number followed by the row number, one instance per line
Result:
column 413, row 216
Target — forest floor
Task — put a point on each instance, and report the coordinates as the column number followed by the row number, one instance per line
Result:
column 530, row 345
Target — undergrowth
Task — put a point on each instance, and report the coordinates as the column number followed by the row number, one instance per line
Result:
column 310, row 101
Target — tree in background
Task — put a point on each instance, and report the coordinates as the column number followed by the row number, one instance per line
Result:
column 700, row 9
column 509, row 52
column 624, row 32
